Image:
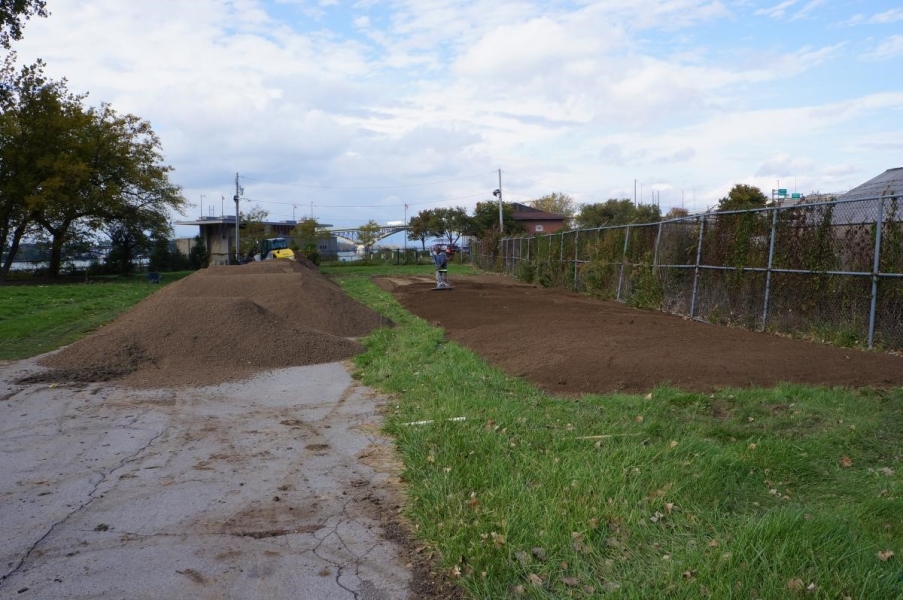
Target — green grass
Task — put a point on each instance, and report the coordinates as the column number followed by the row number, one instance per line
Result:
column 39, row 318
column 743, row 493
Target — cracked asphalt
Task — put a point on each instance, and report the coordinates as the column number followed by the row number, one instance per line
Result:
column 277, row 487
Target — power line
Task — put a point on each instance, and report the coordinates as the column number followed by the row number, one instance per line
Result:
column 592, row 196
column 366, row 187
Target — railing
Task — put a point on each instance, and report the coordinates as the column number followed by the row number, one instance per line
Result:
column 830, row 270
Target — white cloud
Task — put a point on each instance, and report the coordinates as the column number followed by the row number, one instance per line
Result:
column 585, row 96
column 807, row 10
column 891, row 47
column 778, row 11
column 783, row 165
column 889, row 16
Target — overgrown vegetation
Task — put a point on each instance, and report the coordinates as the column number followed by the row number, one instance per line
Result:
column 715, row 266
column 790, row 492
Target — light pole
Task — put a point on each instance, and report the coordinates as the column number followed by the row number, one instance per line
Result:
column 238, row 192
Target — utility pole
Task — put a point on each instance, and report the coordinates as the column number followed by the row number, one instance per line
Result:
column 498, row 193
column 238, row 191
column 634, row 193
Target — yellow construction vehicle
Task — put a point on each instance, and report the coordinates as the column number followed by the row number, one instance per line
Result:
column 275, row 248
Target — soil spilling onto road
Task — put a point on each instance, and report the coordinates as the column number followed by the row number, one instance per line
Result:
column 223, row 323
column 571, row 344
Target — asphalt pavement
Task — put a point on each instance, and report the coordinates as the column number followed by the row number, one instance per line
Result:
column 277, row 487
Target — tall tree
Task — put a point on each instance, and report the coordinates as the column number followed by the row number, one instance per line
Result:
column 39, row 125
column 114, row 172
column 368, row 234
column 308, row 232
column 198, row 257
column 132, row 231
column 677, row 212
column 647, row 213
column 556, row 203
column 743, row 197
column 253, row 231
column 306, row 237
column 421, row 226
column 486, row 217
column 14, row 13
column 616, row 212
column 449, row 223
column 63, row 166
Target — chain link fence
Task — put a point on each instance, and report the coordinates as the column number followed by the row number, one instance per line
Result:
column 829, row 270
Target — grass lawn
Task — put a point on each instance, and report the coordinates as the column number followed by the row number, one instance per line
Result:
column 39, row 318
column 755, row 493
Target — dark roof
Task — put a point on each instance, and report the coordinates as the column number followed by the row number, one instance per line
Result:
column 861, row 204
column 889, row 183
column 522, row 212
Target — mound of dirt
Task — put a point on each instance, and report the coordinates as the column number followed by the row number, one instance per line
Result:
column 221, row 324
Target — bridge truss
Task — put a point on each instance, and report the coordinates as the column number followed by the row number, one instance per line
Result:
column 352, row 235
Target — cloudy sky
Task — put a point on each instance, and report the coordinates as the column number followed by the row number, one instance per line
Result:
column 358, row 107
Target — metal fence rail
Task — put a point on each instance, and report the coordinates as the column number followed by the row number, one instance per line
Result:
column 832, row 270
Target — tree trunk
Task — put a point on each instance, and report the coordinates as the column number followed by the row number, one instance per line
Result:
column 56, row 255
column 13, row 249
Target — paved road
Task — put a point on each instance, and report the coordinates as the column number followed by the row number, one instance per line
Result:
column 278, row 487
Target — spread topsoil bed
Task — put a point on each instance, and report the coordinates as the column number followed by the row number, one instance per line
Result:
column 221, row 324
column 571, row 344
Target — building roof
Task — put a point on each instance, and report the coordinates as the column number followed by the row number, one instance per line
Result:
column 889, row 183
column 230, row 220
column 862, row 202
column 522, row 212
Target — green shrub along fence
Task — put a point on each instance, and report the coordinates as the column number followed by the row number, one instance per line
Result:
column 830, row 270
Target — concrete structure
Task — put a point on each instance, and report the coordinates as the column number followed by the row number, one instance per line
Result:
column 218, row 234
column 537, row 221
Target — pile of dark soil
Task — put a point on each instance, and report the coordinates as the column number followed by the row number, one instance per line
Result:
column 221, row 324
column 570, row 344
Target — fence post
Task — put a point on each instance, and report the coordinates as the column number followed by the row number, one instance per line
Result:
column 549, row 255
column 696, row 270
column 561, row 252
column 520, row 250
column 658, row 238
column 623, row 261
column 509, row 252
column 576, row 248
column 876, row 268
column 774, row 228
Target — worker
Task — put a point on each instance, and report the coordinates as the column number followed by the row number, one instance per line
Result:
column 440, row 257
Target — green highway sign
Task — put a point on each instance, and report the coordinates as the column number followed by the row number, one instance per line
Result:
column 795, row 195
column 782, row 192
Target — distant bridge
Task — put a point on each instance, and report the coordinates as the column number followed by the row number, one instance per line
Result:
column 353, row 235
